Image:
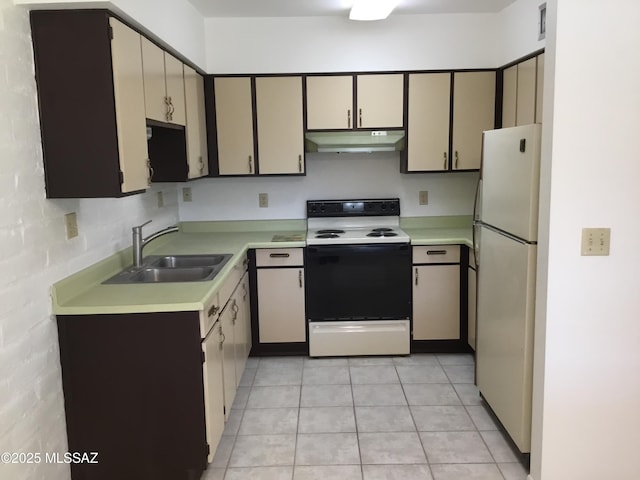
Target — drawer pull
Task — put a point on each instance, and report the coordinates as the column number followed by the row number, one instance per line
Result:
column 416, row 275
column 436, row 252
column 213, row 310
column 279, row 255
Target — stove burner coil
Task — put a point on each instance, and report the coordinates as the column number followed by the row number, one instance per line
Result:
column 382, row 229
column 382, row 234
column 327, row 235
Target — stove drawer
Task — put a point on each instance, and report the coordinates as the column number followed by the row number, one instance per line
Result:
column 279, row 257
column 436, row 254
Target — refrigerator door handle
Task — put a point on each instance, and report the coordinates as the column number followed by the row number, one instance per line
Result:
column 508, row 235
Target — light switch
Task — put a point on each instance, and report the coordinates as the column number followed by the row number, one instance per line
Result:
column 423, row 197
column 263, row 200
column 186, row 194
column 71, row 224
column 595, row 241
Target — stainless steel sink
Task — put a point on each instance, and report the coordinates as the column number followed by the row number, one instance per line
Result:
column 173, row 268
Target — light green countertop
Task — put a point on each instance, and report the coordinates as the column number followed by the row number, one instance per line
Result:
column 84, row 293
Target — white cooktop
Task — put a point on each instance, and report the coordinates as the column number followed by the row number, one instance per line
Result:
column 356, row 230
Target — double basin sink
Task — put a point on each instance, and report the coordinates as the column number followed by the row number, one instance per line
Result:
column 173, row 268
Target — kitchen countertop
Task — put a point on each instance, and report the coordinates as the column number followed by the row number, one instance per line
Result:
column 84, row 293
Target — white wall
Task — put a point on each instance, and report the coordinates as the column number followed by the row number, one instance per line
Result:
column 587, row 398
column 518, row 24
column 34, row 253
column 331, row 176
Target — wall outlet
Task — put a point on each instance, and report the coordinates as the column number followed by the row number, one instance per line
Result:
column 71, row 224
column 263, row 200
column 160, row 200
column 595, row 241
column 186, row 194
column 423, row 197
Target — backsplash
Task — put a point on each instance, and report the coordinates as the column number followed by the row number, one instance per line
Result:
column 330, row 176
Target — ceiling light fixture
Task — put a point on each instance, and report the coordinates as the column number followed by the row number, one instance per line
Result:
column 372, row 9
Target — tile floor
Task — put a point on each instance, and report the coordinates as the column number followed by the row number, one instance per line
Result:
column 375, row 418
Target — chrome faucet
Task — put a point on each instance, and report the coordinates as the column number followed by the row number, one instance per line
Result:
column 139, row 243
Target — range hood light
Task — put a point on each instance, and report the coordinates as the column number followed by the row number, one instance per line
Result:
column 372, row 9
column 355, row 141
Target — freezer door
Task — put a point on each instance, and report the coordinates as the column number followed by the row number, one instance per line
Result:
column 510, row 180
column 504, row 341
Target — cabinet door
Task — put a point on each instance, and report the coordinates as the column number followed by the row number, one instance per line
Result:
column 436, row 302
column 155, row 100
column 234, row 124
column 213, row 395
column 471, row 297
column 279, row 123
column 128, row 87
column 281, row 305
column 228, row 357
column 526, row 103
column 509, row 96
column 329, row 102
column 473, row 112
column 174, row 71
column 196, row 124
column 380, row 100
column 243, row 324
column 539, row 87
column 428, row 122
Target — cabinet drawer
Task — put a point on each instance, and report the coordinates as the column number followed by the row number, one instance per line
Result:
column 279, row 257
column 472, row 258
column 209, row 315
column 436, row 254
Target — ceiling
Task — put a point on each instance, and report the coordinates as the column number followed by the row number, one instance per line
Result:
column 316, row 8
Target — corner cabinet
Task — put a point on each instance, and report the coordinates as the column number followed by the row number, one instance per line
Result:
column 522, row 89
column 91, row 103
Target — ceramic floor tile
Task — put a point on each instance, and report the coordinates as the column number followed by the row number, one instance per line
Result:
column 396, row 472
column 247, row 377
column 327, row 449
column 370, row 361
column 378, row 395
column 391, row 448
column 272, row 377
column 242, row 395
column 431, row 394
column 328, row 472
column 481, row 417
column 213, row 474
column 326, row 396
column 455, row 359
column 281, row 362
column 373, row 374
column 263, row 421
column 274, row 397
column 259, row 473
column 473, row 471
column 384, row 419
column 442, row 418
column 460, row 373
column 417, row 359
column 499, row 447
column 513, row 471
column 468, row 393
column 455, row 447
column 317, row 375
column 326, row 362
column 263, row 451
column 421, row 374
column 252, row 362
column 223, row 452
column 233, row 422
column 326, row 420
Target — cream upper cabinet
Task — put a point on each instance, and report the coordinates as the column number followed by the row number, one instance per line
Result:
column 329, row 102
column 234, row 124
column 539, row 87
column 429, row 97
column 473, row 113
column 279, row 120
column 509, row 96
column 196, row 128
column 163, row 85
column 380, row 101
column 526, row 92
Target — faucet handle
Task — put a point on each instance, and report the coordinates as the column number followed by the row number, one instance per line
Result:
column 139, row 227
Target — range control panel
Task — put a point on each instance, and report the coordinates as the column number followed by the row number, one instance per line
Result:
column 377, row 207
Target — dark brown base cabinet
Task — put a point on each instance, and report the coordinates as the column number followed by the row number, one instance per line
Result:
column 133, row 392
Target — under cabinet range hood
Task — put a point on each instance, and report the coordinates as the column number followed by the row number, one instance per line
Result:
column 355, row 141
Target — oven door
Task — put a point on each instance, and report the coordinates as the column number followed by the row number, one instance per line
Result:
column 358, row 282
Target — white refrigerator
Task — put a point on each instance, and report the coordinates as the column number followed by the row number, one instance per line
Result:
column 505, row 242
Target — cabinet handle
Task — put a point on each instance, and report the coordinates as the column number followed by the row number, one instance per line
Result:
column 349, row 118
column 244, row 292
column 201, row 165
column 300, row 163
column 416, row 275
column 360, row 112
column 279, row 255
column 167, row 104
column 213, row 310
column 436, row 252
column 245, row 262
column 300, row 278
column 250, row 165
column 444, row 166
column 456, row 154
column 171, row 109
column 235, row 309
column 150, row 171
column 224, row 337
